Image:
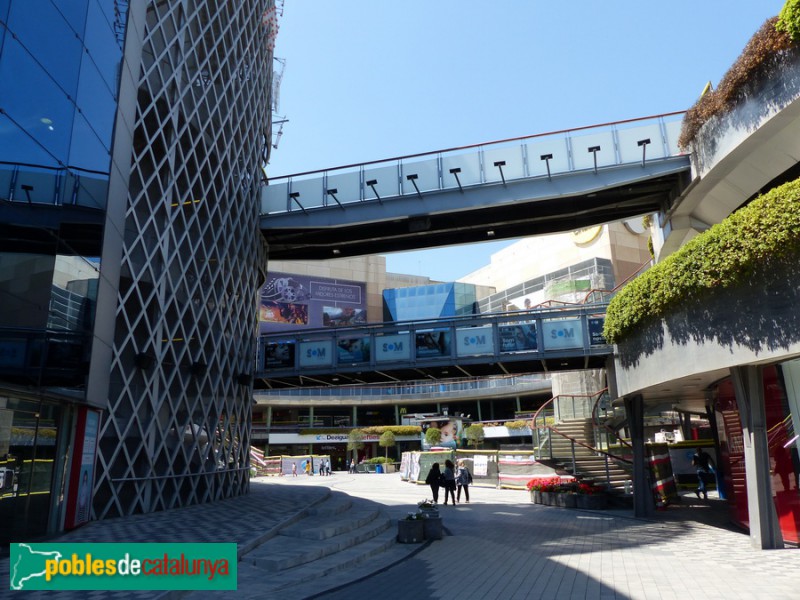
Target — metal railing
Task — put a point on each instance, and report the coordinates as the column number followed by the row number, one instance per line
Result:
column 544, row 428
column 541, row 155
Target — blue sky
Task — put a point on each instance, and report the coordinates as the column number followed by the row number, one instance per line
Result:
column 372, row 79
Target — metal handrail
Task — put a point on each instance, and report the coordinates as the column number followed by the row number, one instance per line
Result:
column 573, row 442
column 474, row 146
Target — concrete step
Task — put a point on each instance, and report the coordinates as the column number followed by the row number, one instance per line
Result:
column 287, row 583
column 317, row 527
column 283, row 553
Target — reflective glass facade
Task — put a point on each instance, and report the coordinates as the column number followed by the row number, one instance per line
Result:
column 59, row 64
column 429, row 302
column 132, row 136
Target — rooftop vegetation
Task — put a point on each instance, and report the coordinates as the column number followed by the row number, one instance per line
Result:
column 762, row 235
column 777, row 41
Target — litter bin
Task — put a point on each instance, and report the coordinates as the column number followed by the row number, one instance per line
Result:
column 379, row 468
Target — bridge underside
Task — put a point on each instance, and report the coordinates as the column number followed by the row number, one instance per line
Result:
column 435, row 370
column 482, row 213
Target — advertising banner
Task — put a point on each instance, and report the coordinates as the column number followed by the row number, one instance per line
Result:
column 516, row 338
column 433, row 344
column 79, row 497
column 393, row 347
column 353, row 350
column 562, row 333
column 279, row 355
column 290, row 301
column 474, row 340
column 596, row 337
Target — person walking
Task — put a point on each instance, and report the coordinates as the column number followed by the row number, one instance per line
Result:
column 705, row 464
column 294, row 469
column 434, row 480
column 449, row 481
column 352, row 465
column 463, row 479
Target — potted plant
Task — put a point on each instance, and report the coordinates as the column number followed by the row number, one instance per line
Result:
column 411, row 530
column 543, row 489
column 427, row 506
column 591, row 496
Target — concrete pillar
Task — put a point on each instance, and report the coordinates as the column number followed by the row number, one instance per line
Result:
column 519, row 405
column 643, row 503
column 396, row 414
column 748, row 384
column 480, row 418
column 355, row 416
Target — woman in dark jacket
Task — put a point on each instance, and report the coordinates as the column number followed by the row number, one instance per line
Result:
column 449, row 481
column 434, row 480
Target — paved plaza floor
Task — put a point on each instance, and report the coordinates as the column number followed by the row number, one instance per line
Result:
column 499, row 545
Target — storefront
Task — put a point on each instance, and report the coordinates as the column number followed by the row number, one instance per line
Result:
column 782, row 405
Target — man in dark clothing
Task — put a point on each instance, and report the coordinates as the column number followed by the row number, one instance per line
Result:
column 704, row 464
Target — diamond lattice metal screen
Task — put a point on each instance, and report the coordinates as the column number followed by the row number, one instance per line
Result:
column 177, row 428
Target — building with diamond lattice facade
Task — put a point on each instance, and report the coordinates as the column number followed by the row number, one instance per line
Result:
column 131, row 147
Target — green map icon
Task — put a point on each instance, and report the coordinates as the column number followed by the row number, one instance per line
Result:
column 28, row 564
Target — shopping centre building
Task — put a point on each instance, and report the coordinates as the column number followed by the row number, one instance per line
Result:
column 133, row 266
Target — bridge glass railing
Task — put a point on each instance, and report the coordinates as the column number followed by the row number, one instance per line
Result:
column 543, row 155
column 30, row 184
column 419, row 389
column 539, row 333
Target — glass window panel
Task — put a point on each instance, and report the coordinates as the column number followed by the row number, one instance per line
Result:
column 513, row 169
column 274, row 197
column 101, row 41
column 470, row 166
column 673, row 133
column 42, row 121
column 92, row 191
column 630, row 151
column 583, row 159
column 387, row 185
column 348, row 186
column 555, row 146
column 87, row 150
column 310, row 193
column 427, row 172
column 41, row 29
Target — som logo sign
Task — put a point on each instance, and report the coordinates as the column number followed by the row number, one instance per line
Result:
column 316, row 354
column 567, row 333
column 393, row 347
column 474, row 340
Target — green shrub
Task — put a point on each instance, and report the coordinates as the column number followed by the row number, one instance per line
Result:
column 789, row 19
column 766, row 231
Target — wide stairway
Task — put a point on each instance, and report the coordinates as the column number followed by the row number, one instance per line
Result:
column 336, row 541
column 590, row 466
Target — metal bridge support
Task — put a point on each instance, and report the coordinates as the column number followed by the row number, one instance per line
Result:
column 643, row 502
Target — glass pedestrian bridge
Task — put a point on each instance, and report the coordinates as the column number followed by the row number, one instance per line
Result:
column 556, row 181
column 549, row 339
